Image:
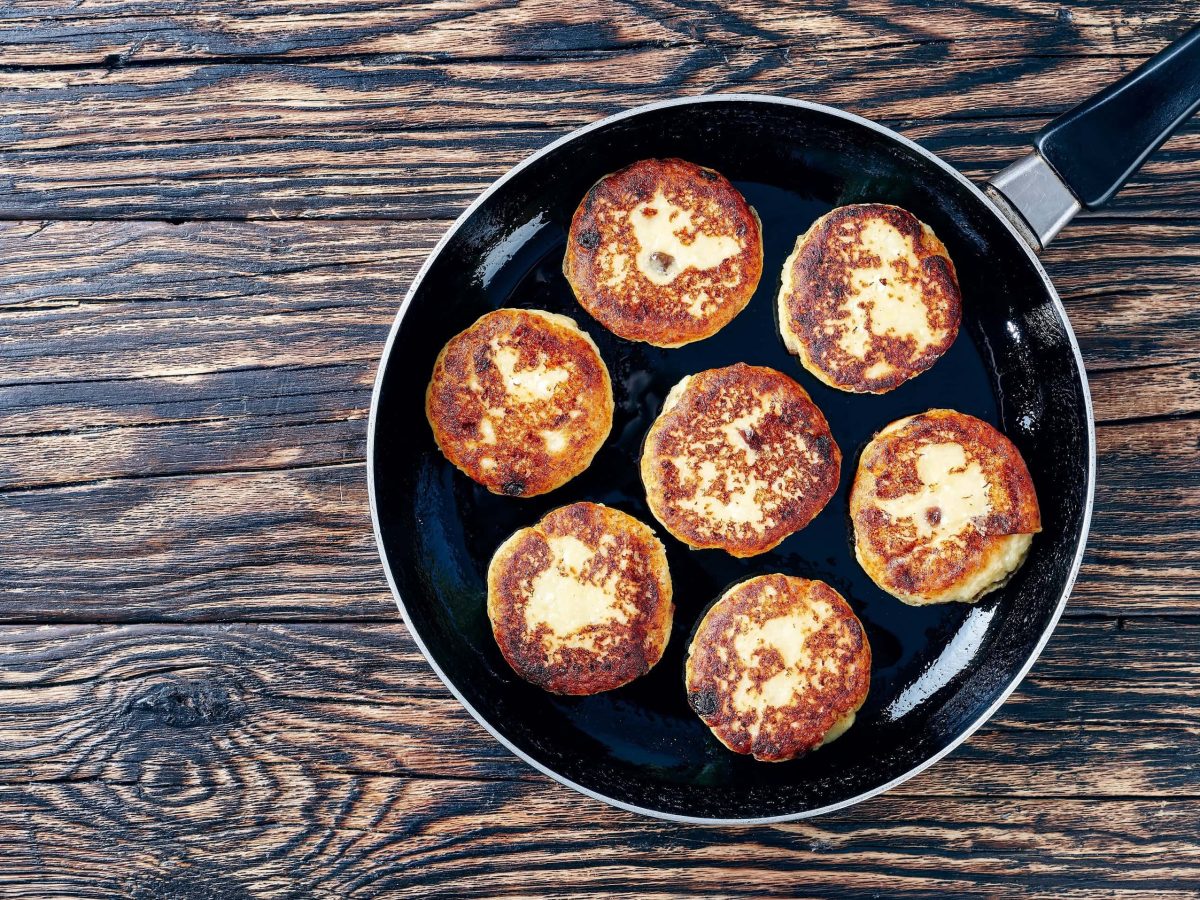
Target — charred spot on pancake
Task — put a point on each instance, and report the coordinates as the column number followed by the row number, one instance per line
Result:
column 738, row 459
column 520, row 401
column 703, row 702
column 581, row 602
column 943, row 508
column 778, row 666
column 664, row 252
column 869, row 298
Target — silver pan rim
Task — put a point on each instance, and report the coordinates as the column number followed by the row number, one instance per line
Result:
column 1085, row 526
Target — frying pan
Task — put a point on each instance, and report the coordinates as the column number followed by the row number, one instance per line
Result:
column 939, row 671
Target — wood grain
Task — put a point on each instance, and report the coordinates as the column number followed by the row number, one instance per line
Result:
column 266, row 759
column 119, row 33
column 405, row 168
column 368, row 836
column 102, row 702
column 294, row 544
column 404, row 139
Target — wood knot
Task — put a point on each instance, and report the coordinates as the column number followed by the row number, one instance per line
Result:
column 191, row 881
column 186, row 703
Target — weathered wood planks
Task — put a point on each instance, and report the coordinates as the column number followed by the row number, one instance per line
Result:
column 102, row 702
column 294, row 544
column 352, row 135
column 394, row 837
column 182, row 419
column 300, row 757
column 58, row 33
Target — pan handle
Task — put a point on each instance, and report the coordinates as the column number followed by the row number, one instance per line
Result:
column 1082, row 158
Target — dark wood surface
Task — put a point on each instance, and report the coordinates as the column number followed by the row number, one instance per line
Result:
column 204, row 688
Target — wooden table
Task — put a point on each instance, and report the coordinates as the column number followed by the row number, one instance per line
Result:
column 211, row 212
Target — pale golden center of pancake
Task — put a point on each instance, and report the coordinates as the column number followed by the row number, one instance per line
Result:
column 953, row 493
column 885, row 298
column 723, row 483
column 669, row 242
column 526, row 386
column 794, row 668
column 529, row 385
column 567, row 598
column 742, row 506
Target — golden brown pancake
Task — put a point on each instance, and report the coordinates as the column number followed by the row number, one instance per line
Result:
column 943, row 508
column 778, row 667
column 738, row 459
column 581, row 602
column 869, row 298
column 520, row 401
column 664, row 252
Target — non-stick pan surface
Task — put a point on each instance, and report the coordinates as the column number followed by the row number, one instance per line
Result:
column 938, row 671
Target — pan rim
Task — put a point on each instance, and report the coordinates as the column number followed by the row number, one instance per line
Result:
column 1085, row 525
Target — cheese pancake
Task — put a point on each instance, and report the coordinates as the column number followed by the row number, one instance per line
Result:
column 581, row 602
column 778, row 666
column 943, row 508
column 738, row 459
column 664, row 252
column 869, row 298
column 520, row 401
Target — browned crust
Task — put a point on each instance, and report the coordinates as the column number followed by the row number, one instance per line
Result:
column 819, row 281
column 710, row 400
column 893, row 556
column 840, row 663
column 638, row 309
column 626, row 649
column 523, row 466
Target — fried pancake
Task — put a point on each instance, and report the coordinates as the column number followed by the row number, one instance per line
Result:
column 869, row 298
column 778, row 667
column 664, row 252
column 943, row 508
column 520, row 401
column 581, row 602
column 738, row 459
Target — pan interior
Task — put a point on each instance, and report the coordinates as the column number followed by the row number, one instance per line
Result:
column 936, row 669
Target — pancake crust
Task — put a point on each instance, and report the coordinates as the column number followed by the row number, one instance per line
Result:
column 869, row 298
column 581, row 602
column 778, row 667
column 664, row 251
column 738, row 459
column 943, row 508
column 520, row 401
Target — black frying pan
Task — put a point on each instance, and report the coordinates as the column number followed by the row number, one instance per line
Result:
column 939, row 671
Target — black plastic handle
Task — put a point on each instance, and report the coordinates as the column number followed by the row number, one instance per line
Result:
column 1100, row 143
